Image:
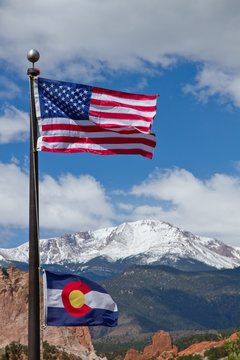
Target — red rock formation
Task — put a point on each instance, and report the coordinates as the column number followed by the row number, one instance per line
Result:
column 14, row 317
column 132, row 354
column 204, row 345
column 199, row 347
column 161, row 343
column 161, row 347
column 13, row 306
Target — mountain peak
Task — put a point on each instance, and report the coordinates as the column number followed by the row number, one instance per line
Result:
column 148, row 241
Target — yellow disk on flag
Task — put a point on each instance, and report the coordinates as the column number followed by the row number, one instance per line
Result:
column 76, row 298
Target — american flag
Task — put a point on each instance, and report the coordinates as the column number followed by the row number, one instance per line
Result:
column 81, row 118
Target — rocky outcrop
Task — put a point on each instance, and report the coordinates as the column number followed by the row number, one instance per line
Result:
column 14, row 318
column 133, row 354
column 161, row 347
column 199, row 348
column 161, row 343
column 13, row 306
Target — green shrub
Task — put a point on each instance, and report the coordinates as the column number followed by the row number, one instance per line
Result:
column 4, row 271
column 233, row 348
column 190, row 357
column 216, row 353
column 50, row 352
column 13, row 351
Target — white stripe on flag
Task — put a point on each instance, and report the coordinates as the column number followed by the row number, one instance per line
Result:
column 93, row 299
column 126, row 122
column 98, row 300
column 54, row 298
column 121, row 110
column 45, row 295
column 91, row 135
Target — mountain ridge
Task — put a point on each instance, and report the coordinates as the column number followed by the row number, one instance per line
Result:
column 141, row 242
column 159, row 297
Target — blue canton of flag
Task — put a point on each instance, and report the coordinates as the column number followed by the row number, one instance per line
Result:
column 71, row 300
column 64, row 99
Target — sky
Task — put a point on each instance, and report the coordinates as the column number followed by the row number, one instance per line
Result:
column 187, row 52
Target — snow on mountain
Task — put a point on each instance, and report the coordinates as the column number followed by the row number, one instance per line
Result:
column 150, row 240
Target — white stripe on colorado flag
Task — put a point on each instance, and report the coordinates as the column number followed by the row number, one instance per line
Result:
column 93, row 299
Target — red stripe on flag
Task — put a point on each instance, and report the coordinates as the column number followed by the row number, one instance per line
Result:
column 90, row 128
column 72, row 127
column 102, row 152
column 103, row 140
column 123, row 95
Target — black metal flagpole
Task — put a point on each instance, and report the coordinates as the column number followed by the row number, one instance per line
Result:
column 34, row 262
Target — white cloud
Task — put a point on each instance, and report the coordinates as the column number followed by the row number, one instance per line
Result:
column 82, row 39
column 69, row 203
column 210, row 207
column 125, row 207
column 14, row 125
column 210, row 81
column 13, row 196
column 74, row 203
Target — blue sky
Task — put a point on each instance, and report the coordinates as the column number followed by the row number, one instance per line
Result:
column 187, row 52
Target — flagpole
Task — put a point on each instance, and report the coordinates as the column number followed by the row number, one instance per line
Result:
column 34, row 261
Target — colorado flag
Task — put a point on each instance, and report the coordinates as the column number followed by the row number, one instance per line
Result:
column 71, row 300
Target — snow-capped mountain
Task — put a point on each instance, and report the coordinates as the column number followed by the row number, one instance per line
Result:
column 140, row 242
